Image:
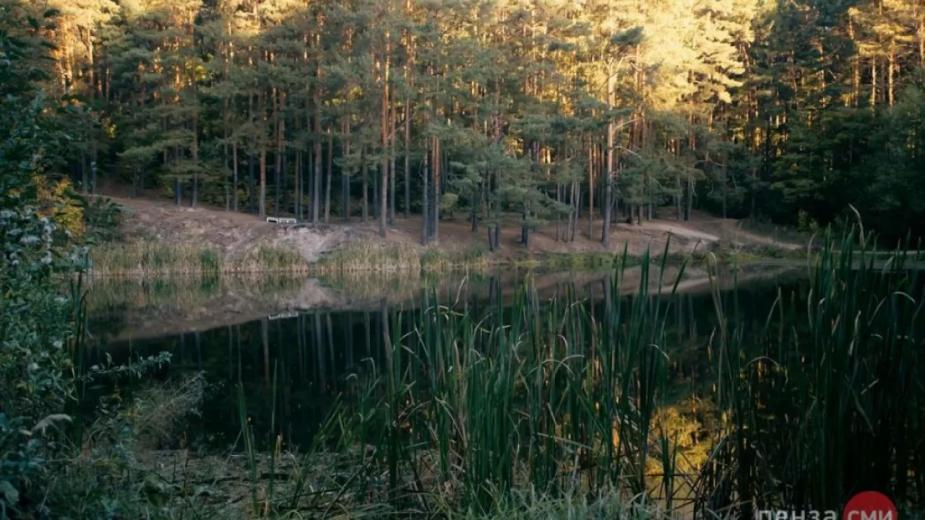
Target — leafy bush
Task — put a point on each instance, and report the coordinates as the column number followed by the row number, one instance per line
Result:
column 35, row 318
column 35, row 327
column 102, row 217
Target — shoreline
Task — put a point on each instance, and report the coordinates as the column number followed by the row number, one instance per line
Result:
column 157, row 238
column 136, row 260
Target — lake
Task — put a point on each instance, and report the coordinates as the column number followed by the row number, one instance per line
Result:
column 318, row 332
column 686, row 385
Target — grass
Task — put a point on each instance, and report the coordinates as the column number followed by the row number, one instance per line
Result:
column 140, row 259
column 574, row 261
column 156, row 259
column 400, row 259
column 414, row 260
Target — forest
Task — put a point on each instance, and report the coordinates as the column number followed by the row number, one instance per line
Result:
column 520, row 112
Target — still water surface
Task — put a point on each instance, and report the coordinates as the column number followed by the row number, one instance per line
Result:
column 315, row 334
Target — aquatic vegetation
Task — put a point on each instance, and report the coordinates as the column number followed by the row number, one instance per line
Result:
column 153, row 259
column 527, row 407
column 400, row 259
column 544, row 396
column 369, row 256
column 825, row 397
column 817, row 400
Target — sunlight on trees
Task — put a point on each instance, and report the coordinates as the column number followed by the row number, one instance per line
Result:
column 578, row 113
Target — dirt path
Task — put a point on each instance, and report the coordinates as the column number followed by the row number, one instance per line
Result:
column 731, row 231
column 237, row 233
column 735, row 233
column 680, row 230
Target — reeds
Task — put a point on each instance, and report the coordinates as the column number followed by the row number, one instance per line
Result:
column 155, row 259
column 555, row 397
column 400, row 259
column 535, row 407
column 825, row 397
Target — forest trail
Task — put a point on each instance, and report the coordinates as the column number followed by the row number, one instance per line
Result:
column 147, row 219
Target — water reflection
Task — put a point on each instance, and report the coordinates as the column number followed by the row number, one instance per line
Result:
column 122, row 309
column 310, row 335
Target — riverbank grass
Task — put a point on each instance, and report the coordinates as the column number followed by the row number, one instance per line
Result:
column 157, row 259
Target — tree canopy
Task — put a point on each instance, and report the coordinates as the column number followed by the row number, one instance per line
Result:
column 588, row 111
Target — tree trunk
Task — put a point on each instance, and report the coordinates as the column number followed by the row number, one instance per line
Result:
column 263, row 182
column 558, row 214
column 328, row 174
column 608, row 180
column 277, row 166
column 375, row 180
column 576, row 205
column 873, row 81
column 608, row 194
column 891, row 66
column 297, row 183
column 474, row 214
column 195, row 153
column 234, row 176
column 345, row 176
column 93, row 168
column 407, row 157
column 263, row 159
column 690, row 200
column 280, row 146
column 393, row 194
column 84, row 174
column 316, row 150
column 591, row 187
column 251, row 182
column 308, row 183
column 425, row 195
column 678, row 198
column 384, row 130
column 435, row 188
column 524, row 228
column 365, row 174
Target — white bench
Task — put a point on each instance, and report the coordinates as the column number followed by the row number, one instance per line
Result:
column 281, row 220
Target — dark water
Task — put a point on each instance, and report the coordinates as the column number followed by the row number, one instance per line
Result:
column 309, row 336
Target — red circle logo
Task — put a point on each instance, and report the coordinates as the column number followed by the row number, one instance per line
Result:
column 870, row 505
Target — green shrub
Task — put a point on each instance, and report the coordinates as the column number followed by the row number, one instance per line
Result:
column 36, row 330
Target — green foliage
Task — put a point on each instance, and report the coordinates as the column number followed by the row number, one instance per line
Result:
column 106, row 478
column 743, row 107
column 35, row 318
column 821, row 404
column 102, row 217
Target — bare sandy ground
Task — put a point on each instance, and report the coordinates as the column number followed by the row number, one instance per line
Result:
column 236, row 233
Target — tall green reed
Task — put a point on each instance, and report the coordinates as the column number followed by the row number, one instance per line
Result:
column 554, row 396
column 522, row 403
column 824, row 398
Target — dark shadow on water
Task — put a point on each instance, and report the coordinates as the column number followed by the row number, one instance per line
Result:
column 318, row 333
